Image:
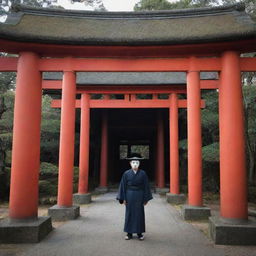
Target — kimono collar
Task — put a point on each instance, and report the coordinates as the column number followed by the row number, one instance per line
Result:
column 135, row 171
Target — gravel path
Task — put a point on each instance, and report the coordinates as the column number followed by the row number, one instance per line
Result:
column 99, row 231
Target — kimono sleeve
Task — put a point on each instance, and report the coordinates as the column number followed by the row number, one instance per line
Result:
column 121, row 196
column 147, row 191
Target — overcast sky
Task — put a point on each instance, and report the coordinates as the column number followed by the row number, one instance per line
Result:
column 111, row 5
column 120, row 5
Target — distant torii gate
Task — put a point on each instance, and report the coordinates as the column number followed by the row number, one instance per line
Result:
column 129, row 101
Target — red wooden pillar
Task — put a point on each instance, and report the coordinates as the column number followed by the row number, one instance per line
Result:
column 174, row 145
column 104, row 151
column 67, row 138
column 84, row 144
column 26, row 139
column 160, row 151
column 233, row 187
column 194, row 138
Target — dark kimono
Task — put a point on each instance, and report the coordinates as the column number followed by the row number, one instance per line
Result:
column 135, row 189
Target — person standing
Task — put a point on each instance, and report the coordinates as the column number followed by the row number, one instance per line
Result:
column 134, row 192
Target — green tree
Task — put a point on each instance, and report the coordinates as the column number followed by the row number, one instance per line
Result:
column 96, row 4
column 150, row 5
column 7, row 81
column 50, row 131
column 6, row 5
column 210, row 117
column 250, row 5
column 249, row 92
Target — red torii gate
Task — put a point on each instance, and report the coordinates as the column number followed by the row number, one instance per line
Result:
column 129, row 101
column 192, row 58
column 29, row 80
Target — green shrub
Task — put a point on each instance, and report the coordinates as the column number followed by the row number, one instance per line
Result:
column 8, row 158
column 48, row 200
column 48, row 169
column 211, row 152
column 6, row 140
column 47, row 188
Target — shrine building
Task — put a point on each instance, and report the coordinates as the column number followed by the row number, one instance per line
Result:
column 128, row 73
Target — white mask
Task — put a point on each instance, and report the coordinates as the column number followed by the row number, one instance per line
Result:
column 135, row 164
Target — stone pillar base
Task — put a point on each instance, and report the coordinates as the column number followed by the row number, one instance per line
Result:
column 60, row 213
column 161, row 191
column 101, row 190
column 195, row 212
column 24, row 231
column 228, row 233
column 82, row 198
column 175, row 198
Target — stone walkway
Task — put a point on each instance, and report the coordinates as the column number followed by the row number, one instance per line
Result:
column 99, row 231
